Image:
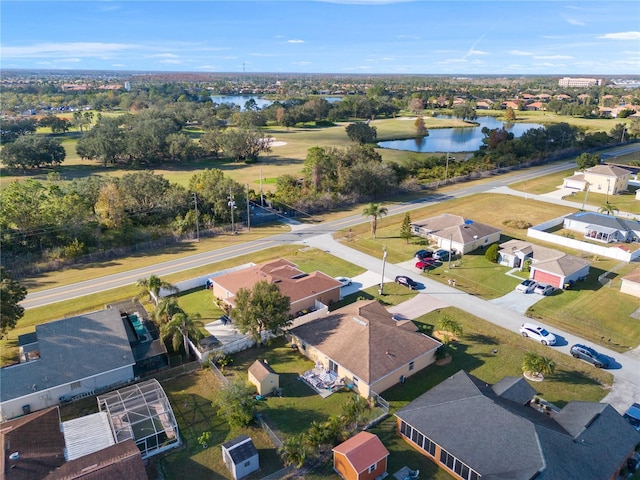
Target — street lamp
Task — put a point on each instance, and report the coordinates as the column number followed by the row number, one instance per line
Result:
column 446, row 169
column 384, row 262
column 608, row 188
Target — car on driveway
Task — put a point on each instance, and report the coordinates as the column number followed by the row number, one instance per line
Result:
column 632, row 415
column 589, row 355
column 345, row 281
column 530, row 330
column 425, row 263
column 407, row 282
column 526, row 286
column 441, row 255
column 422, row 254
column 543, row 289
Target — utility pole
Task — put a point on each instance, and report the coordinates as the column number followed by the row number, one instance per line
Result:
column 261, row 194
column 446, row 170
column 195, row 204
column 248, row 210
column 450, row 249
column 585, row 196
column 384, row 262
column 232, row 205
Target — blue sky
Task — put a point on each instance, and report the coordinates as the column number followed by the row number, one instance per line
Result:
column 357, row 36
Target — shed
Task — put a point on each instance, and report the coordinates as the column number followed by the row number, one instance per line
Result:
column 631, row 283
column 240, row 456
column 361, row 457
column 263, row 377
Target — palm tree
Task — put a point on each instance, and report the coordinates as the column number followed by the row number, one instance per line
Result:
column 167, row 307
column 294, row 451
column 538, row 365
column 182, row 327
column 153, row 285
column 374, row 211
column 609, row 209
column 450, row 327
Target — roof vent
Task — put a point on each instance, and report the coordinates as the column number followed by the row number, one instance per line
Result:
column 360, row 322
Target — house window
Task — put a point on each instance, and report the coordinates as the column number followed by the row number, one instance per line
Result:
column 246, row 464
column 429, row 447
column 410, row 366
column 446, row 458
column 76, row 385
column 333, row 366
column 372, row 467
column 355, row 382
column 304, row 345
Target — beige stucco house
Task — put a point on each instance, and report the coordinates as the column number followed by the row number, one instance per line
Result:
column 600, row 179
column 303, row 289
column 364, row 345
column 453, row 232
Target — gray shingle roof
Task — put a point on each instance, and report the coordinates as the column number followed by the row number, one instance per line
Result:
column 603, row 220
column 503, row 439
column 70, row 350
column 240, row 449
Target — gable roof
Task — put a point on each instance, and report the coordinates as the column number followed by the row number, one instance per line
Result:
column 38, row 441
column 608, row 170
column 365, row 339
column 633, row 276
column 240, row 449
column 362, row 450
column 455, row 227
column 261, row 370
column 547, row 259
column 500, row 438
column 68, row 352
column 291, row 281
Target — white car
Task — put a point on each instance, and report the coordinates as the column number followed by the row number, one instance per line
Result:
column 526, row 286
column 543, row 289
column 529, row 330
column 345, row 281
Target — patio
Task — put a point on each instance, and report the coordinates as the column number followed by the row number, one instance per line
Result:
column 323, row 381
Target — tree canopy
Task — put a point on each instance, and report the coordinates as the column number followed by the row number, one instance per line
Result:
column 261, row 309
column 236, row 403
column 374, row 211
column 361, row 132
column 11, row 294
column 31, row 152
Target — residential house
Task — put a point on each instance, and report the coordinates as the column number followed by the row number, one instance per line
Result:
column 606, row 179
column 631, row 283
column 603, row 228
column 474, row 430
column 240, row 456
column 547, row 265
column 263, row 377
column 304, row 290
column 363, row 344
column 36, row 448
column 483, row 105
column 453, row 232
column 361, row 457
column 67, row 358
column 535, row 106
column 512, row 104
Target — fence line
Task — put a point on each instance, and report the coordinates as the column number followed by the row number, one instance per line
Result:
column 175, row 372
column 274, row 437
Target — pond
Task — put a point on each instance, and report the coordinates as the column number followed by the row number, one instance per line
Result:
column 463, row 139
column 261, row 102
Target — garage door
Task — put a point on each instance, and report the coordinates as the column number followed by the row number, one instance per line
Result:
column 544, row 277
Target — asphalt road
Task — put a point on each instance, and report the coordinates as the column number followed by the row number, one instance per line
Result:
column 97, row 285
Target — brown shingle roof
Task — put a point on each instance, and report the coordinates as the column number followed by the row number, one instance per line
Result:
column 455, row 227
column 634, row 276
column 291, row 281
column 38, row 441
column 365, row 339
column 362, row 450
column 260, row 370
column 122, row 460
column 609, row 170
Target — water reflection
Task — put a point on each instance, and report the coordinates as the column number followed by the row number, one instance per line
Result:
column 467, row 139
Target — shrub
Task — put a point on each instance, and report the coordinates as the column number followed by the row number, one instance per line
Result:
column 492, row 253
column 519, row 224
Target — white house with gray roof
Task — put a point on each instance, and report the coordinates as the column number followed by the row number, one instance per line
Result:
column 79, row 355
column 603, row 228
column 474, row 431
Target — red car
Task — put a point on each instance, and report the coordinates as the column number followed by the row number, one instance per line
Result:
column 425, row 263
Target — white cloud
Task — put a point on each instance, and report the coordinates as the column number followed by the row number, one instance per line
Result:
column 301, row 63
column 171, row 61
column 478, row 52
column 78, row 49
column 573, row 21
column 263, row 55
column 67, row 60
column 295, row 41
column 621, row 36
column 520, row 53
column 553, row 57
column 165, row 55
column 118, row 65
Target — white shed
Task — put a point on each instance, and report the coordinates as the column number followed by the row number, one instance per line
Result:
column 240, row 456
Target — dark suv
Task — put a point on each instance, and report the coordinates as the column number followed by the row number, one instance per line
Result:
column 588, row 354
column 407, row 282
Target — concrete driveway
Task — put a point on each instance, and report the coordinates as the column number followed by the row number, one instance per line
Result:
column 517, row 301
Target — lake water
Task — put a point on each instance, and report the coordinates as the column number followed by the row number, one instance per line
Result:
column 241, row 100
column 464, row 139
